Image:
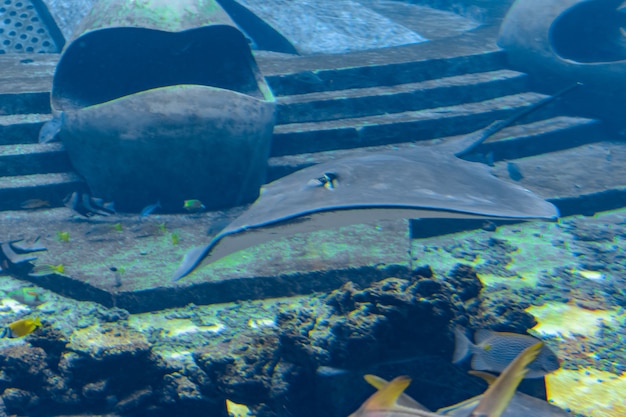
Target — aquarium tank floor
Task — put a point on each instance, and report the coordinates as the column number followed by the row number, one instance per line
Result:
column 569, row 275
column 120, row 339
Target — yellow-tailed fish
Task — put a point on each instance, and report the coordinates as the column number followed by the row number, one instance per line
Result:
column 117, row 227
column 44, row 270
column 63, row 236
column 493, row 351
column 175, row 238
column 21, row 328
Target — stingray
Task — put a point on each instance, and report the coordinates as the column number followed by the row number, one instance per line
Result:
column 428, row 182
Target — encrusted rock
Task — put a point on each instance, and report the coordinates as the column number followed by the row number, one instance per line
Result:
column 465, row 282
column 95, row 390
column 18, row 400
column 23, row 366
column 108, row 341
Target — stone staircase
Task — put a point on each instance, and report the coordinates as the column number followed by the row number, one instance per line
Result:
column 327, row 106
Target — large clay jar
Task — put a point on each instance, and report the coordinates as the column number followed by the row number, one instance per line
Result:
column 163, row 100
column 566, row 41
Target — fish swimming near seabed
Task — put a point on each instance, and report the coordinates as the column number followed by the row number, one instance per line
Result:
column 390, row 400
column 148, row 210
column 46, row 269
column 50, row 130
column 429, row 182
column 493, row 351
column 20, row 328
column 30, row 296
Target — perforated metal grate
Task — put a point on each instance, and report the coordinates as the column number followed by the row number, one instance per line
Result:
column 23, row 30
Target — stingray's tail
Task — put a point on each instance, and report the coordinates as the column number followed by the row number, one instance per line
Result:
column 471, row 141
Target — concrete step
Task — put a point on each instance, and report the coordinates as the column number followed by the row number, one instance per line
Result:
column 29, row 159
column 52, row 188
column 21, row 128
column 294, row 138
column 559, row 177
column 25, row 83
column 360, row 102
column 543, row 136
column 473, row 52
column 514, row 142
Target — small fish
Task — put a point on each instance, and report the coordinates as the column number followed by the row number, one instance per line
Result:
column 493, row 351
column 46, row 269
column 20, row 328
column 50, row 130
column 329, row 181
column 162, row 228
column 34, row 203
column 174, row 238
column 148, row 210
column 31, row 296
column 515, row 173
column 63, row 236
column 193, row 206
column 117, row 227
column 117, row 275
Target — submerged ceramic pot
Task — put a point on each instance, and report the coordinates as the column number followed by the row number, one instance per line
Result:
column 566, row 41
column 163, row 101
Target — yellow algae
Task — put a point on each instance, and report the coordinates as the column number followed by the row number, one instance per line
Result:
column 170, row 327
column 566, row 319
column 237, row 410
column 590, row 392
column 179, row 327
column 592, row 275
column 107, row 340
column 259, row 323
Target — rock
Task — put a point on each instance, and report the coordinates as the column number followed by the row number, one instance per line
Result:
column 23, row 366
column 18, row 401
column 95, row 390
column 465, row 282
column 51, row 341
column 103, row 342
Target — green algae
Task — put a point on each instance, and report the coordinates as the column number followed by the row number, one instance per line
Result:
column 535, row 254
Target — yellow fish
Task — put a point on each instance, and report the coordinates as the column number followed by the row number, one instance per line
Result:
column 390, row 400
column 63, row 236
column 21, row 328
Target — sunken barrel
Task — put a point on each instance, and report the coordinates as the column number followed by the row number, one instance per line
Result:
column 163, row 100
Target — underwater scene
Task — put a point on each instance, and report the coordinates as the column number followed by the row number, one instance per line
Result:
column 295, row 208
